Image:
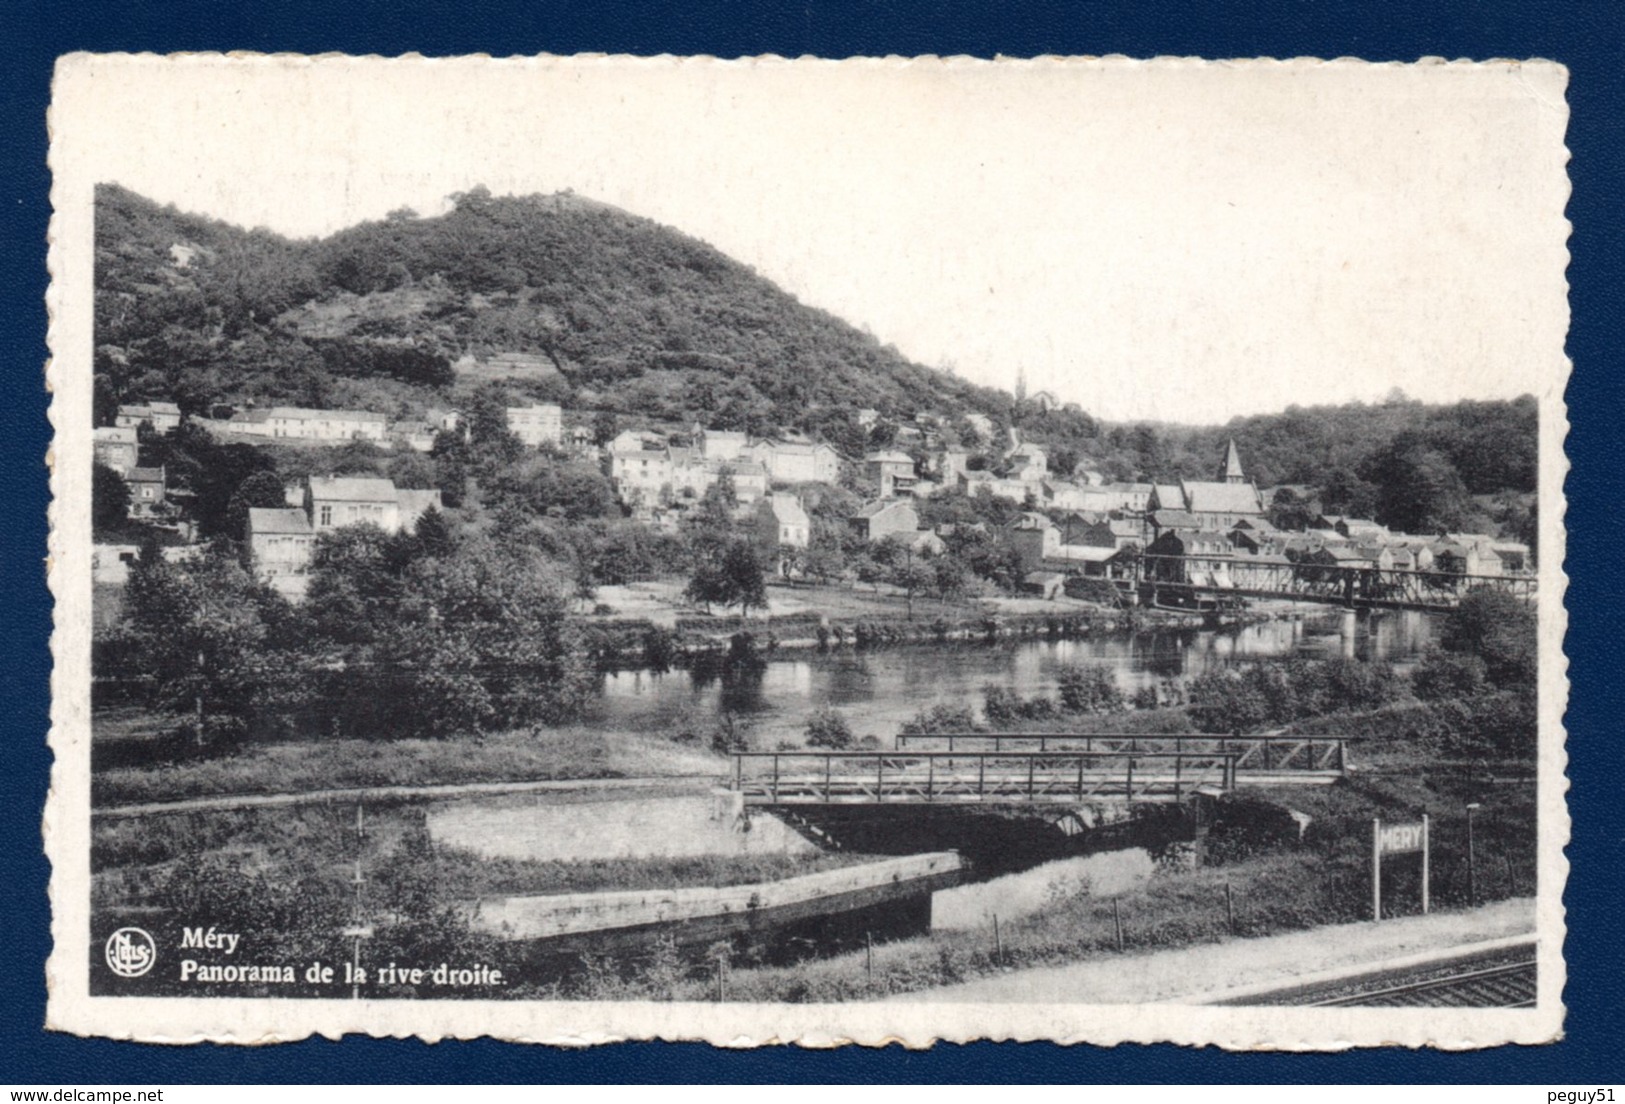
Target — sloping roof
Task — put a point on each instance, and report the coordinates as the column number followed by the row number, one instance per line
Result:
column 1082, row 553
column 352, row 488
column 415, row 501
column 145, row 475
column 1204, row 541
column 124, row 435
column 890, row 456
column 788, row 509
column 1175, row 519
column 163, row 406
column 740, row 467
column 1032, row 521
column 1170, row 496
column 1222, row 498
column 1232, row 463
column 1128, row 488
column 1345, row 553
column 307, row 414
column 263, row 520
column 880, row 506
column 1260, row 525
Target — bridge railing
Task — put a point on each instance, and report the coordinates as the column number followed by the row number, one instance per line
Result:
column 1364, row 582
column 1253, row 753
column 792, row 777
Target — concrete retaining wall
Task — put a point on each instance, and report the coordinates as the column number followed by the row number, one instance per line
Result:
column 572, row 913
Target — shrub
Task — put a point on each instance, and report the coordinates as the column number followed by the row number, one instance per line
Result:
column 1444, row 675
column 1089, row 689
column 999, row 704
column 940, row 718
column 828, row 729
column 731, row 734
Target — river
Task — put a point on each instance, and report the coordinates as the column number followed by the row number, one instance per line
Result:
column 877, row 691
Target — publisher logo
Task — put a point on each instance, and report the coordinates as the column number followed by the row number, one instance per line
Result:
column 130, row 952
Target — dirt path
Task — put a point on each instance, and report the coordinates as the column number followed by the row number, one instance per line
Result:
column 1198, row 974
column 675, row 783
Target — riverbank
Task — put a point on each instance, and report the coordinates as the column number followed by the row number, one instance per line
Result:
column 289, row 769
column 648, row 630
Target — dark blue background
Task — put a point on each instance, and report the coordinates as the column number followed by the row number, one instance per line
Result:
column 1585, row 37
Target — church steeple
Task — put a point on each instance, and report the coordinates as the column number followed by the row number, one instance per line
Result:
column 1232, row 472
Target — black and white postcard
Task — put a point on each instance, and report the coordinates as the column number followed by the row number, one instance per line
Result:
column 583, row 548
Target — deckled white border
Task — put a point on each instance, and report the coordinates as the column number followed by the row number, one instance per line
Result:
column 182, row 1020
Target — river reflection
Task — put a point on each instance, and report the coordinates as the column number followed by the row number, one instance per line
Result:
column 878, row 691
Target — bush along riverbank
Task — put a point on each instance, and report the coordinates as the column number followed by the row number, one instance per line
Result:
column 636, row 644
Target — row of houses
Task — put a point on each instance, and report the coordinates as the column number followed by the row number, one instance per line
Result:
column 653, row 475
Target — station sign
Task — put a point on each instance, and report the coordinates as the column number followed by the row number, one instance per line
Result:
column 1398, row 839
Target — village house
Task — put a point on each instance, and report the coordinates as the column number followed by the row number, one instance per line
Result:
column 1355, row 529
column 162, row 416
column 1026, row 461
column 280, row 545
column 537, row 425
column 1014, row 490
column 893, row 471
column 417, row 436
column 639, row 467
column 788, row 462
column 116, row 447
column 334, row 501
column 1039, row 541
column 883, row 518
column 783, row 521
column 147, row 490
column 1204, row 557
column 719, row 444
column 949, row 464
column 305, row 424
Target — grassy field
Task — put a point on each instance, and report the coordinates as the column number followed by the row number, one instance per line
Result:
column 299, row 766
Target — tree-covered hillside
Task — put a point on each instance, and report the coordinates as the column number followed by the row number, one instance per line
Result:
column 615, row 314
column 636, row 317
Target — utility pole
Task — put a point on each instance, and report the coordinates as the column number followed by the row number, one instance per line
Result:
column 359, row 929
column 1472, row 870
column 197, row 731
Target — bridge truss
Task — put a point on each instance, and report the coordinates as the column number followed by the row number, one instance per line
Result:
column 1352, row 586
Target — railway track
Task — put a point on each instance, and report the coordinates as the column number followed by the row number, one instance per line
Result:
column 1504, row 978
column 1510, row 985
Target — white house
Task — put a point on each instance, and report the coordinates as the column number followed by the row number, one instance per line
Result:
column 306, row 424
column 538, row 424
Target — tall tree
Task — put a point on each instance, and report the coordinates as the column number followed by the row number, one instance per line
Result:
column 109, row 498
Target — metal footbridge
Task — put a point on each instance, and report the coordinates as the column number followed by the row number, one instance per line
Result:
column 1011, row 768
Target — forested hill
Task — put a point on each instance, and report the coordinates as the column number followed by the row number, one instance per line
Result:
column 616, row 312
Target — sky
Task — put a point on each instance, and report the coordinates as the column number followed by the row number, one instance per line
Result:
column 1180, row 241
